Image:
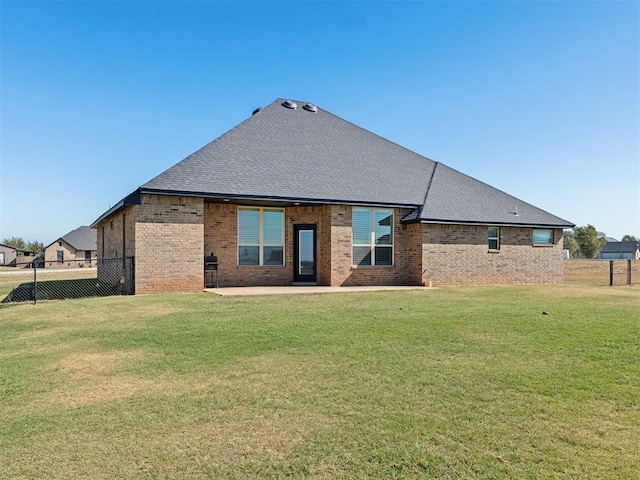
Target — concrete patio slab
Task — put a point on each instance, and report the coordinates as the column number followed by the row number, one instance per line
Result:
column 295, row 289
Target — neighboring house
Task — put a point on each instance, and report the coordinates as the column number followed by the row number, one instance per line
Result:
column 15, row 257
column 620, row 250
column 75, row 249
column 297, row 194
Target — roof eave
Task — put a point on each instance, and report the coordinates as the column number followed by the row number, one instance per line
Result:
column 267, row 198
column 131, row 199
column 497, row 223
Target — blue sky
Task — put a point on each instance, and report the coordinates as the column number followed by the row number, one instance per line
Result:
column 539, row 99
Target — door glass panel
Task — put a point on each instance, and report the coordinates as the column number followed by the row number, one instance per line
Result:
column 305, row 252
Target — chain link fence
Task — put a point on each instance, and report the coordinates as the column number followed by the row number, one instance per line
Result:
column 601, row 272
column 40, row 280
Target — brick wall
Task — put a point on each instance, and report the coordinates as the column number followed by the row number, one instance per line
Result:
column 414, row 253
column 169, row 244
column 220, row 239
column 116, row 239
column 170, row 235
column 405, row 250
column 51, row 253
column 116, row 235
column 333, row 253
column 459, row 254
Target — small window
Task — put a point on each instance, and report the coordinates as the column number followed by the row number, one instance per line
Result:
column 494, row 238
column 542, row 237
column 372, row 236
column 60, row 256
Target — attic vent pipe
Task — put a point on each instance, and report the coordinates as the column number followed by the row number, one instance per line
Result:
column 310, row 107
column 256, row 111
column 289, row 104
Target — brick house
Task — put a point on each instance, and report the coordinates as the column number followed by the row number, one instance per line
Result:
column 15, row 257
column 296, row 194
column 75, row 249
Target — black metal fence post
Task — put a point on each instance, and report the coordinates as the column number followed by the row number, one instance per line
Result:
column 35, row 282
column 611, row 273
column 629, row 272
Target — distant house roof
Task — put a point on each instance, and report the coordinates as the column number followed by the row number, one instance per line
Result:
column 306, row 154
column 82, row 238
column 620, row 247
column 17, row 249
column 611, row 239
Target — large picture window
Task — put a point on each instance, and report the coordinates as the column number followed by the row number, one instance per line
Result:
column 260, row 236
column 372, row 236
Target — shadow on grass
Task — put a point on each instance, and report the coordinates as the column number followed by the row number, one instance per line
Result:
column 62, row 289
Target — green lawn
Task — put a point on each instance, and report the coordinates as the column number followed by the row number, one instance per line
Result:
column 467, row 382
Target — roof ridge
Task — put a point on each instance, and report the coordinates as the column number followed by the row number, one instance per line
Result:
column 426, row 195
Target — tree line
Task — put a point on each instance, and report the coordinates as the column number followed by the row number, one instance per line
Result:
column 587, row 241
column 21, row 244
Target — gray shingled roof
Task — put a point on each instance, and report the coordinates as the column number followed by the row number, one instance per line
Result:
column 454, row 197
column 297, row 155
column 283, row 153
column 617, row 247
column 82, row 238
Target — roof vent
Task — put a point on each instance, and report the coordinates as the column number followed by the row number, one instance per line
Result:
column 310, row 107
column 289, row 104
column 256, row 111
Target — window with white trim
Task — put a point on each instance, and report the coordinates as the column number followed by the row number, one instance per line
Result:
column 260, row 236
column 372, row 236
column 542, row 236
column 493, row 237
